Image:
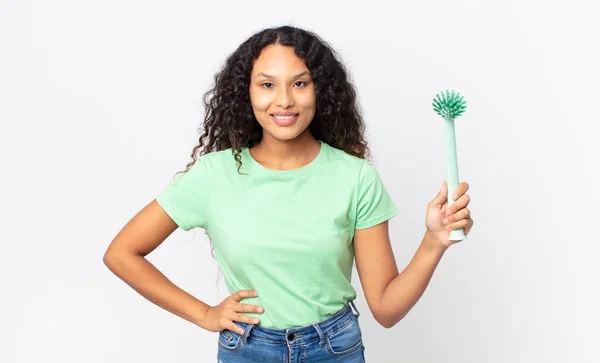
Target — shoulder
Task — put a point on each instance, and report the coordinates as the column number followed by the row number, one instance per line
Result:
column 207, row 167
column 337, row 156
column 216, row 159
column 341, row 161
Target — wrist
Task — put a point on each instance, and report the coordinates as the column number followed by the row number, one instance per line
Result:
column 200, row 319
column 432, row 242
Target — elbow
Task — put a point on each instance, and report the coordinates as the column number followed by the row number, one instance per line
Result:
column 388, row 326
column 108, row 259
column 388, row 322
column 119, row 260
column 117, row 253
column 112, row 259
column 384, row 321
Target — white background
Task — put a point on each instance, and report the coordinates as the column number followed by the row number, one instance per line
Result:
column 100, row 105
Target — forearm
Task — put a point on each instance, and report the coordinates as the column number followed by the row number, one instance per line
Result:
column 403, row 292
column 148, row 281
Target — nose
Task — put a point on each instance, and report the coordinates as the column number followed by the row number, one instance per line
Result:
column 284, row 98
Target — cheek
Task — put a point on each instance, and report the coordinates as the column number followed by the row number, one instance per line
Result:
column 308, row 102
column 260, row 101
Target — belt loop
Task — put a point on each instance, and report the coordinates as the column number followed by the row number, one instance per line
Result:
column 354, row 306
column 321, row 335
column 247, row 333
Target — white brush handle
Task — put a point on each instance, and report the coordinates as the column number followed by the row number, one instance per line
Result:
column 452, row 173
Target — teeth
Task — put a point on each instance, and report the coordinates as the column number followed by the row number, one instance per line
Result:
column 284, row 117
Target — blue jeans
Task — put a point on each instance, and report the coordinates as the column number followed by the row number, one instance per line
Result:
column 336, row 339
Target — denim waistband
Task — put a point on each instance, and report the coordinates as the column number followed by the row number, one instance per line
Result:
column 303, row 334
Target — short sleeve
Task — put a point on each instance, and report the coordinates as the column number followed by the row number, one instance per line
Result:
column 185, row 199
column 374, row 205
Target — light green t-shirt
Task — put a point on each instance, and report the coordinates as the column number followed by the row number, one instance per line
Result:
column 288, row 234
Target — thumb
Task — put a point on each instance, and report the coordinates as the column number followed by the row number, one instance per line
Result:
column 442, row 195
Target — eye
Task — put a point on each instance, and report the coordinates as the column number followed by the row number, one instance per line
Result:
column 300, row 84
column 267, row 85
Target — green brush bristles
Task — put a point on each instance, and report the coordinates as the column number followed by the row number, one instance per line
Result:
column 449, row 105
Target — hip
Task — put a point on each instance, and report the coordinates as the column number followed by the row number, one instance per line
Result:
column 336, row 339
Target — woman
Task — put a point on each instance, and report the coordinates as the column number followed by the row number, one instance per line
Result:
column 285, row 193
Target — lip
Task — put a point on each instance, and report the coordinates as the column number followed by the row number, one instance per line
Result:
column 284, row 122
column 284, row 113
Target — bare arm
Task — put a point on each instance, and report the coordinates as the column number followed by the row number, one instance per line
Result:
column 390, row 295
column 125, row 257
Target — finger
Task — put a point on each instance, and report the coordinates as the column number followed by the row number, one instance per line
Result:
column 234, row 328
column 461, row 203
column 243, row 294
column 458, row 225
column 460, row 190
column 442, row 196
column 248, row 308
column 246, row 319
column 461, row 214
column 469, row 224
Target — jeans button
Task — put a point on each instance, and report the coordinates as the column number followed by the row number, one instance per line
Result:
column 290, row 336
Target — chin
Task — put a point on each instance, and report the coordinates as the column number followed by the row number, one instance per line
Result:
column 286, row 133
column 284, row 136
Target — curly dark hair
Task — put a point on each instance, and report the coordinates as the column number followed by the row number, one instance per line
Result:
column 229, row 120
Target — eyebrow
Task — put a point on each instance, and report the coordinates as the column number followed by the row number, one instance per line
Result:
column 261, row 74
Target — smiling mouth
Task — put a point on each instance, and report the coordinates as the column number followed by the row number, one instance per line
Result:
column 285, row 120
column 285, row 117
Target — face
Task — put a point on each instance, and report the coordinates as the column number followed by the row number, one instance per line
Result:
column 282, row 93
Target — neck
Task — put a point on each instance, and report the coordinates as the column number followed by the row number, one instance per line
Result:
column 288, row 154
